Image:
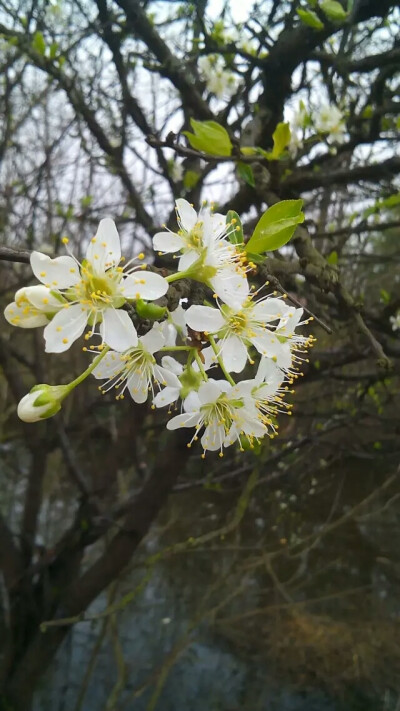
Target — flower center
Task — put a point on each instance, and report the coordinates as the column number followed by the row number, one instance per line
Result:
column 194, row 238
column 220, row 412
column 98, row 291
column 238, row 322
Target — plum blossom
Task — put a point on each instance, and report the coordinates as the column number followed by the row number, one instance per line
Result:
column 224, row 416
column 395, row 321
column 218, row 79
column 329, row 119
column 34, row 306
column 207, row 255
column 259, row 323
column 135, row 370
column 92, row 292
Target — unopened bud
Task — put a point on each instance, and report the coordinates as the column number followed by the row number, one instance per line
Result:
column 42, row 402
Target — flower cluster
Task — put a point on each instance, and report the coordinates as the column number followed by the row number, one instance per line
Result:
column 186, row 359
column 328, row 121
column 219, row 81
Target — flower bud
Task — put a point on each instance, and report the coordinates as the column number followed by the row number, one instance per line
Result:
column 42, row 402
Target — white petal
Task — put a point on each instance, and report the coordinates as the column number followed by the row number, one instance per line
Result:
column 234, row 354
column 117, row 330
column 144, row 285
column 109, row 366
column 205, row 318
column 210, row 359
column 269, row 372
column 231, row 286
column 209, row 391
column 104, row 249
column 251, row 425
column 166, row 396
column 58, row 273
column 153, row 340
column 187, row 214
column 213, row 437
column 23, row 316
column 168, row 242
column 178, row 318
column 284, row 356
column 187, row 259
column 41, row 297
column 165, row 377
column 288, row 325
column 192, row 403
column 138, row 387
column 186, row 419
column 66, row 326
column 171, row 364
column 270, row 309
column 266, row 343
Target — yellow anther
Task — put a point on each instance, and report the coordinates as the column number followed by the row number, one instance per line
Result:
column 65, row 340
column 42, row 274
column 65, row 240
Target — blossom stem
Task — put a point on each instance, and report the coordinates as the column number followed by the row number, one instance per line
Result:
column 175, row 348
column 88, row 370
column 200, row 364
column 178, row 275
column 220, row 361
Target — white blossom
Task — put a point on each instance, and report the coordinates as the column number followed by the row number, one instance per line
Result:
column 395, row 321
column 219, row 80
column 224, row 416
column 258, row 323
column 134, row 370
column 34, row 306
column 329, row 119
column 92, row 292
column 206, row 253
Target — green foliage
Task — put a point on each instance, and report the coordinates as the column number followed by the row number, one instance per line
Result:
column 385, row 296
column 38, row 43
column 149, row 310
column 389, row 203
column 86, row 201
column 308, row 17
column 246, row 173
column 332, row 258
column 281, row 138
column 190, row 179
column 276, row 226
column 333, row 10
column 209, row 137
column 236, row 236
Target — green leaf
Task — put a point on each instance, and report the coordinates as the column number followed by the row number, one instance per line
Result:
column 385, row 296
column 209, row 137
column 332, row 258
column 308, row 17
column 245, row 172
column 276, row 226
column 190, row 179
column 53, row 50
column 281, row 138
column 333, row 10
column 236, row 236
column 86, row 201
column 38, row 43
column 149, row 310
